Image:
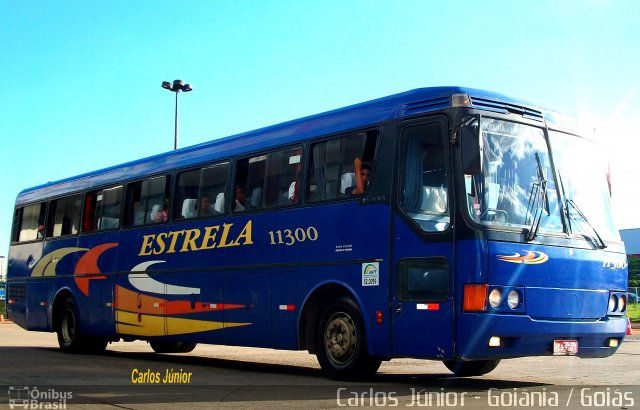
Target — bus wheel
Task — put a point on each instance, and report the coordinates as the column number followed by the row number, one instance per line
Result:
column 69, row 338
column 466, row 368
column 340, row 343
column 172, row 347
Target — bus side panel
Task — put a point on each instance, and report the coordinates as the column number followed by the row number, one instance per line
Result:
column 370, row 299
column 94, row 279
column 22, row 288
column 350, row 237
column 471, row 268
column 98, row 307
column 37, row 302
column 249, row 324
column 284, row 311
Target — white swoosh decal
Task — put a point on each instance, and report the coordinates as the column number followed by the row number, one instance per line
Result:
column 146, row 283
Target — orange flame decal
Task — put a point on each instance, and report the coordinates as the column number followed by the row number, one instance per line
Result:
column 87, row 267
column 531, row 258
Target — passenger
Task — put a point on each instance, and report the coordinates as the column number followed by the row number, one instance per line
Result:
column 162, row 215
column 363, row 175
column 240, row 197
column 40, row 233
column 204, row 205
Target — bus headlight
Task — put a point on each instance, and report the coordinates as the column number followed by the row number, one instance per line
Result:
column 495, row 297
column 513, row 299
column 613, row 303
column 622, row 303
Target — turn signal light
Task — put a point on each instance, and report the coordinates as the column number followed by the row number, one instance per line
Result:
column 475, row 298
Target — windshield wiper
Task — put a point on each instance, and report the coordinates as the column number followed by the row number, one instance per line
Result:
column 538, row 195
column 597, row 238
column 569, row 202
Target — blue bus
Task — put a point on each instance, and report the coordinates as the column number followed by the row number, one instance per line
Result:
column 443, row 223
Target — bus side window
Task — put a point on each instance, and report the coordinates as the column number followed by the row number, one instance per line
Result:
column 332, row 165
column 29, row 223
column 283, row 172
column 268, row 181
column 64, row 216
column 147, row 201
column 186, row 195
column 102, row 209
column 424, row 279
column 109, row 207
column 213, row 185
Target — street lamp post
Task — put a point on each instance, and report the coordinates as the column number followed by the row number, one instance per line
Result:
column 176, row 87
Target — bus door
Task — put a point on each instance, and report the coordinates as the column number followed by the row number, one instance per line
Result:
column 422, row 243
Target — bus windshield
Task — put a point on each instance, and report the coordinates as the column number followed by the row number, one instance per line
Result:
column 583, row 172
column 516, row 187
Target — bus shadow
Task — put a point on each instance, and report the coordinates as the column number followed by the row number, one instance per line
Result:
column 230, row 380
column 422, row 380
column 436, row 380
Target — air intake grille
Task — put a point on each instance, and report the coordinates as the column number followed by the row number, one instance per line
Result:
column 17, row 292
column 505, row 108
column 431, row 104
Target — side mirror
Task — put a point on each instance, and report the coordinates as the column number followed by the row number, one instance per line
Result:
column 471, row 149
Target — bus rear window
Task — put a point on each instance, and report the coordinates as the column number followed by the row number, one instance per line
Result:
column 29, row 223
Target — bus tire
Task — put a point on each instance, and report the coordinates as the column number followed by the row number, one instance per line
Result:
column 70, row 339
column 465, row 368
column 340, row 343
column 172, row 347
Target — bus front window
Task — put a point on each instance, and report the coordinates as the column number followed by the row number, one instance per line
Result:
column 583, row 170
column 516, row 187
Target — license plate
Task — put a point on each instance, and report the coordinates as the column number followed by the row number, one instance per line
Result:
column 565, row 347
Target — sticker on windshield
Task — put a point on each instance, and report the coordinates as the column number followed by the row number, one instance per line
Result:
column 370, row 274
column 531, row 258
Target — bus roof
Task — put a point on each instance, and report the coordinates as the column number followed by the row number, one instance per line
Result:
column 356, row 116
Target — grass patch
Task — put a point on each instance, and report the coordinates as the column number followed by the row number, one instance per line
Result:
column 633, row 311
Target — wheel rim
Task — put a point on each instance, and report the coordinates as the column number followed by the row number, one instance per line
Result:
column 340, row 338
column 68, row 326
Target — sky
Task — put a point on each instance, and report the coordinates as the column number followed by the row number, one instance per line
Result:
column 82, row 79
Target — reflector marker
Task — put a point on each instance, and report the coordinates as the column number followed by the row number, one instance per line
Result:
column 428, row 306
column 287, row 307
